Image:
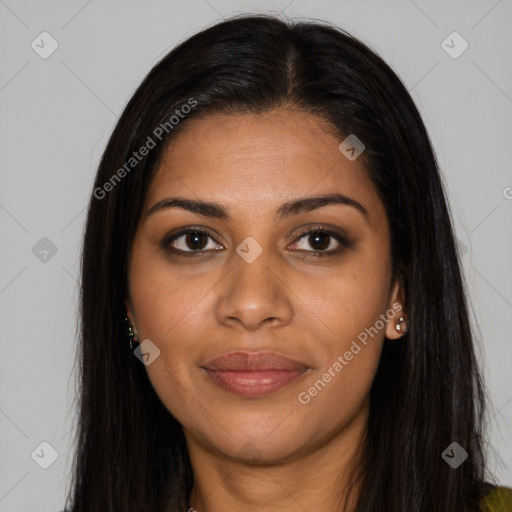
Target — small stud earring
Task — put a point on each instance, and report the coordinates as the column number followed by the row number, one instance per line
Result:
column 398, row 327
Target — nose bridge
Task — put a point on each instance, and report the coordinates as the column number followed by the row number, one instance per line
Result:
column 252, row 277
column 254, row 292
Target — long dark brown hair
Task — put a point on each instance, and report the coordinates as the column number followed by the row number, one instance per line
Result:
column 130, row 452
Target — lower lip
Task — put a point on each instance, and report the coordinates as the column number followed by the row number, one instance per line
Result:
column 254, row 383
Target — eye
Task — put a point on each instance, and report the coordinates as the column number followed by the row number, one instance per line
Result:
column 190, row 241
column 324, row 242
column 195, row 241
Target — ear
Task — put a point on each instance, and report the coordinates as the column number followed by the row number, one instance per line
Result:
column 129, row 312
column 395, row 311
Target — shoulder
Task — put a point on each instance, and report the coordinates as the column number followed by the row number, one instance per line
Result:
column 498, row 499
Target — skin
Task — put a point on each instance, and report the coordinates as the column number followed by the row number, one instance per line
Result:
column 272, row 452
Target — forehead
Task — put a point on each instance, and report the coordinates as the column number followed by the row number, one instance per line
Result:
column 256, row 159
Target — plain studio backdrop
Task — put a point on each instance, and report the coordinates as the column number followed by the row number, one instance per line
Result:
column 67, row 70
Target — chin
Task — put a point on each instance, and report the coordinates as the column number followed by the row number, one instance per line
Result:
column 260, row 452
column 257, row 448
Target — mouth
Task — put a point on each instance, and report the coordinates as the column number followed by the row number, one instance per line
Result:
column 253, row 374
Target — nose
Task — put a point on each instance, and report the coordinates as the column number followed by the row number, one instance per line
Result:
column 254, row 295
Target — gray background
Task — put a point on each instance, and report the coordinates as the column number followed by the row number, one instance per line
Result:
column 58, row 112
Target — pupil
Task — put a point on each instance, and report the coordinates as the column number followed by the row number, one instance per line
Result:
column 320, row 236
column 193, row 242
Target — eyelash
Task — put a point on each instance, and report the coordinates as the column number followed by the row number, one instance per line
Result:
column 343, row 241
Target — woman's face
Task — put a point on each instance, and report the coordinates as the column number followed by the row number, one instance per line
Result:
column 263, row 284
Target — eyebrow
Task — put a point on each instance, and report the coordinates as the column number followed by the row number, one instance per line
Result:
column 216, row 210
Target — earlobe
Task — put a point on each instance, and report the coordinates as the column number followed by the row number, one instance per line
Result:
column 130, row 325
column 129, row 313
column 397, row 322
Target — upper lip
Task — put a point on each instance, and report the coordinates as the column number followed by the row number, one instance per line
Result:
column 253, row 361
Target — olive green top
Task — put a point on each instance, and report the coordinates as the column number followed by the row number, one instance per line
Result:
column 498, row 500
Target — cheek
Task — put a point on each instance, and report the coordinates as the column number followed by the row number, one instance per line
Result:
column 345, row 311
column 348, row 303
column 349, row 354
column 166, row 302
column 174, row 311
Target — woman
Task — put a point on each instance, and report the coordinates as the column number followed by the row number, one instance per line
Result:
column 269, row 220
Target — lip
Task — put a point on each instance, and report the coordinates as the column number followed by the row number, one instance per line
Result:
column 253, row 374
